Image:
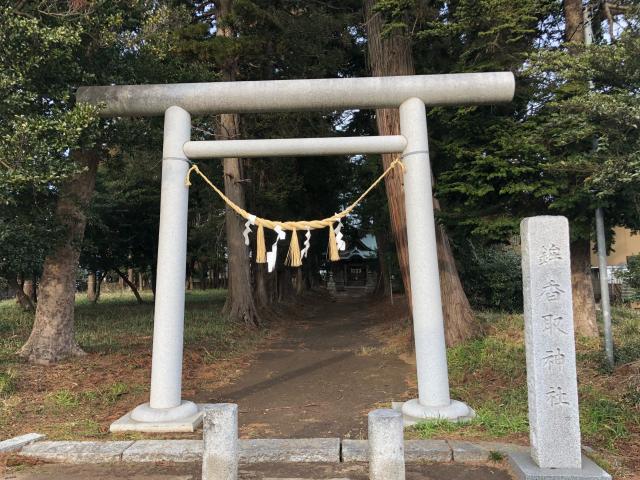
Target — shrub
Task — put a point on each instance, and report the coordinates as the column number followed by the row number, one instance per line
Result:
column 492, row 276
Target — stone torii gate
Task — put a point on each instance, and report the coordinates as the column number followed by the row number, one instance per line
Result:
column 166, row 410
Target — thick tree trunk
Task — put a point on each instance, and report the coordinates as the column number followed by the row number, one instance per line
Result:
column 573, row 21
column 240, row 304
column 91, row 287
column 392, row 55
column 584, row 305
column 127, row 280
column 52, row 337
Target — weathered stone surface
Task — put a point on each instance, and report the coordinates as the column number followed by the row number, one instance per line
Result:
column 178, row 451
column 325, row 450
column 526, row 469
column 128, row 424
column 76, row 452
column 16, row 443
column 549, row 340
column 220, row 436
column 414, row 451
column 468, row 452
column 386, row 445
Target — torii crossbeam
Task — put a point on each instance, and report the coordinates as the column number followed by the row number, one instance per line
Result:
column 166, row 410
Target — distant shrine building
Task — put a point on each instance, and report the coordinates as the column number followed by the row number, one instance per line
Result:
column 357, row 271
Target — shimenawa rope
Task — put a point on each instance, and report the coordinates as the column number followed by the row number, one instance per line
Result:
column 294, row 249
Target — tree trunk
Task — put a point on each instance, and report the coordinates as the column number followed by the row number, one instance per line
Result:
column 392, row 55
column 573, row 21
column 262, row 288
column 29, row 288
column 99, row 280
column 383, row 282
column 91, row 286
column 52, row 337
column 22, row 298
column 240, row 304
column 584, row 305
column 127, row 279
column 299, row 281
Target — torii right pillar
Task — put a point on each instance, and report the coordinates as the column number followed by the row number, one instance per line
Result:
column 433, row 400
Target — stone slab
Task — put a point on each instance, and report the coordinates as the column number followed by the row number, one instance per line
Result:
column 324, row 450
column 550, row 345
column 76, row 452
column 414, row 451
column 303, row 450
column 187, row 424
column 177, row 451
column 16, row 443
column 526, row 469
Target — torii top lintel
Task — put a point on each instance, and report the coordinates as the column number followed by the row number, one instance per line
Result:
column 296, row 95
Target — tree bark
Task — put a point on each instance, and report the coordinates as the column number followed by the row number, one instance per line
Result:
column 392, row 55
column 584, row 304
column 240, row 304
column 52, row 337
column 91, row 287
column 22, row 298
column 573, row 21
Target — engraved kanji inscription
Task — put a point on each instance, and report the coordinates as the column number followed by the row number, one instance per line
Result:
column 556, row 397
column 549, row 254
column 551, row 290
column 553, row 360
column 553, row 324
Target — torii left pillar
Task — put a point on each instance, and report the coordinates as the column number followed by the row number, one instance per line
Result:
column 166, row 411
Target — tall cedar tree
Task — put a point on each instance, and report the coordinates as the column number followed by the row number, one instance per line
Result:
column 390, row 53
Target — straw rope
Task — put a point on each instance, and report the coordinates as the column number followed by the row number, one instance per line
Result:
column 292, row 225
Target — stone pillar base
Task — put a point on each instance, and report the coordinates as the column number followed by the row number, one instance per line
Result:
column 414, row 412
column 526, row 469
column 187, row 417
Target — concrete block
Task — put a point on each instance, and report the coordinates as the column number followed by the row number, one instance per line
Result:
column 467, row 452
column 526, row 469
column 427, row 451
column 550, row 345
column 220, row 435
column 76, row 452
column 16, row 443
column 415, row 451
column 178, row 451
column 386, row 445
column 322, row 450
column 474, row 452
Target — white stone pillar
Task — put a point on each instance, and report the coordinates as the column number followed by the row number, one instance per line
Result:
column 220, row 436
column 386, row 445
column 431, row 356
column 166, row 403
column 554, row 420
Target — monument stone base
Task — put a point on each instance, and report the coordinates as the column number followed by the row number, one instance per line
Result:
column 188, row 423
column 526, row 469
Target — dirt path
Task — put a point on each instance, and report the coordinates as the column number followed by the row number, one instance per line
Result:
column 321, row 378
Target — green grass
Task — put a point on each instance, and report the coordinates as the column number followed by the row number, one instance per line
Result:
column 80, row 396
column 490, row 373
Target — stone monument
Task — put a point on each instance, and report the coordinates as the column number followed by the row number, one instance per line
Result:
column 554, row 419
